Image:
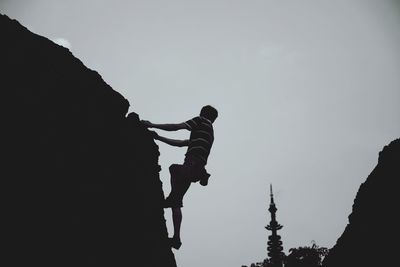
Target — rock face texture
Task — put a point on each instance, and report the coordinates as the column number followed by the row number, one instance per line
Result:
column 80, row 178
column 372, row 234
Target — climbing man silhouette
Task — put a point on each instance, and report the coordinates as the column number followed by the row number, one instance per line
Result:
column 193, row 169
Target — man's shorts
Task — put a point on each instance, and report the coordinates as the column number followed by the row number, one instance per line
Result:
column 191, row 171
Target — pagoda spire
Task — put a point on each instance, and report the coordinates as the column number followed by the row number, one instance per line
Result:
column 271, row 194
column 274, row 244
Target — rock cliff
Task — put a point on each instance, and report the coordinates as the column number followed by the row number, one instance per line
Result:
column 80, row 178
column 371, row 235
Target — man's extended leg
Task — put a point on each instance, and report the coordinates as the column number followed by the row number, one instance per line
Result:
column 179, row 186
column 177, row 220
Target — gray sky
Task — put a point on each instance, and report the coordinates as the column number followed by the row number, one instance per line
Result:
column 308, row 93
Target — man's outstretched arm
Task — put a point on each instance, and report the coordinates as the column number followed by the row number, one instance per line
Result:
column 169, row 141
column 166, row 126
column 173, row 142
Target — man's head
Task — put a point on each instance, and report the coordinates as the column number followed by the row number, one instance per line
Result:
column 209, row 112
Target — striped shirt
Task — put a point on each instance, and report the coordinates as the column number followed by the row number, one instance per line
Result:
column 201, row 138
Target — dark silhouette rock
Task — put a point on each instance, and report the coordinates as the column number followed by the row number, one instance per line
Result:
column 80, row 178
column 371, row 235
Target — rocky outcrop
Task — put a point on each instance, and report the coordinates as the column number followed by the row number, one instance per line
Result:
column 80, row 178
column 371, row 235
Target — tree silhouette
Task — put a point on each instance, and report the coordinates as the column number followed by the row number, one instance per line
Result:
column 306, row 256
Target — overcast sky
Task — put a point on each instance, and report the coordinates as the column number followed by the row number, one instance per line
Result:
column 308, row 93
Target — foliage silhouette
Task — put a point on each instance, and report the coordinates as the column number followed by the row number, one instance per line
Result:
column 306, row 256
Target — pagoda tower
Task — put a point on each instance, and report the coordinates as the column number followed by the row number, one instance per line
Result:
column 274, row 240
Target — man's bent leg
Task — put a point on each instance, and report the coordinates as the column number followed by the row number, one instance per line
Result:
column 179, row 185
column 175, row 171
